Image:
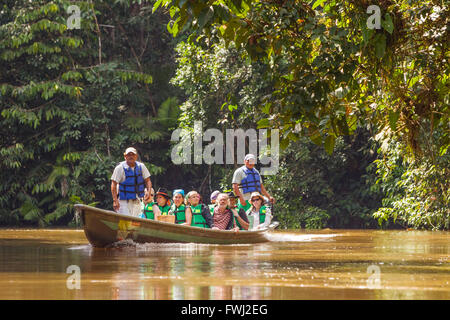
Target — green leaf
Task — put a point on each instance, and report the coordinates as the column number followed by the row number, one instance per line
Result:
column 318, row 3
column 380, row 45
column 393, row 118
column 284, row 143
column 329, row 142
column 205, row 16
column 387, row 23
column 156, row 6
column 263, row 123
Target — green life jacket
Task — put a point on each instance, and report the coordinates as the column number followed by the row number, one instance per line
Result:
column 148, row 211
column 211, row 208
column 246, row 207
column 237, row 221
column 262, row 214
column 179, row 212
column 197, row 218
column 164, row 210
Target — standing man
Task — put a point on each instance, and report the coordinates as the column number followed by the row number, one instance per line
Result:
column 133, row 178
column 246, row 180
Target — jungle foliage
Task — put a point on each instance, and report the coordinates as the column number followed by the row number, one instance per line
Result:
column 332, row 74
column 363, row 112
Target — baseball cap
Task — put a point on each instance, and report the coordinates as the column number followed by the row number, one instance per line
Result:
column 130, row 149
column 250, row 157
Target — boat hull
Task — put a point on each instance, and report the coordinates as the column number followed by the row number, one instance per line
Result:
column 103, row 228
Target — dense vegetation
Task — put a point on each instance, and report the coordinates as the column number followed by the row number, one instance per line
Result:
column 363, row 113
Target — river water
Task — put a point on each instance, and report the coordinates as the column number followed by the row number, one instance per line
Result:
column 326, row 264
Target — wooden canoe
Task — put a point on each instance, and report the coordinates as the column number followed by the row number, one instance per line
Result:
column 104, row 227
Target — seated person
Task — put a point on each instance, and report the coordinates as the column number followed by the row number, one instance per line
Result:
column 240, row 217
column 183, row 214
column 213, row 200
column 149, row 202
column 162, row 205
column 223, row 215
column 201, row 216
column 259, row 215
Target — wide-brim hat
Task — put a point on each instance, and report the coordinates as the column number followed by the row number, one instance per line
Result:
column 163, row 192
column 256, row 194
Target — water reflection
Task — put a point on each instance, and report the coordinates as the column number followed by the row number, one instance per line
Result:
column 178, row 271
column 294, row 265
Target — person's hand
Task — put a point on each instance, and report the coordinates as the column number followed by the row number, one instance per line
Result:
column 234, row 212
column 236, row 229
column 116, row 205
column 272, row 200
column 147, row 197
column 215, row 228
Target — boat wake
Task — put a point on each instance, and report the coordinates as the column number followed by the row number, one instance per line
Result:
column 295, row 237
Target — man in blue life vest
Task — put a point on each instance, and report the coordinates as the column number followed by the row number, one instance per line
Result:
column 246, row 180
column 133, row 178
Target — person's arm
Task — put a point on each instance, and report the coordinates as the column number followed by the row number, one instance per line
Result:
column 239, row 194
column 206, row 214
column 156, row 210
column 264, row 192
column 242, row 219
column 237, row 178
column 116, row 204
column 188, row 215
column 232, row 224
column 267, row 220
column 148, row 193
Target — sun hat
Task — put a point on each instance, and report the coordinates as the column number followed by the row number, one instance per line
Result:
column 256, row 194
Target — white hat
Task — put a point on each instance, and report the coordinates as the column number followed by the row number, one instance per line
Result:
column 256, row 194
column 130, row 149
column 250, row 157
column 214, row 195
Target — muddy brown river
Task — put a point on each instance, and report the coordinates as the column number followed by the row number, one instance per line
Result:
column 326, row 264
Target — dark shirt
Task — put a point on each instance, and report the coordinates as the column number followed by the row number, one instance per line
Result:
column 206, row 214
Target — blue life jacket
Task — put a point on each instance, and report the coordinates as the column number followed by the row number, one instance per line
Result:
column 133, row 184
column 252, row 181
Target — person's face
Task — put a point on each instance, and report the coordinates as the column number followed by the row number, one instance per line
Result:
column 250, row 164
column 160, row 200
column 194, row 199
column 131, row 158
column 232, row 202
column 257, row 202
column 223, row 201
column 177, row 199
